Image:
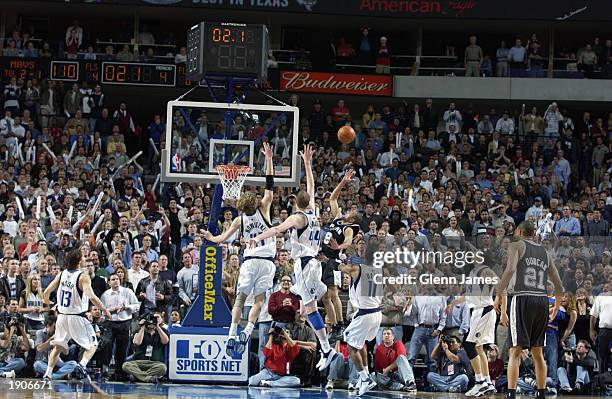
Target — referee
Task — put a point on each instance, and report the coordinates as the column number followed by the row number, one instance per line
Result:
column 122, row 303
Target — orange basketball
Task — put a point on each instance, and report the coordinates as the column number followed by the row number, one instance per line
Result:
column 346, row 134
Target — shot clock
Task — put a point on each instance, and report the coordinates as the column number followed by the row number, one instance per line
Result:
column 227, row 49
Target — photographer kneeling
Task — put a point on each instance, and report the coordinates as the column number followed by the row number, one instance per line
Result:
column 578, row 369
column 149, row 342
column 14, row 343
column 453, row 365
column 280, row 350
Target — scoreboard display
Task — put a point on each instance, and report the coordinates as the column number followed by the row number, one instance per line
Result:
column 227, row 49
column 106, row 72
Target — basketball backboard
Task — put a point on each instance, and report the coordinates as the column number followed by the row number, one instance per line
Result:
column 196, row 141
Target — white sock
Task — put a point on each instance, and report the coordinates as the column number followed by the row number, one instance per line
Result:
column 488, row 379
column 322, row 336
column 84, row 362
column 49, row 371
column 248, row 330
column 478, row 377
column 233, row 329
column 363, row 374
column 366, row 369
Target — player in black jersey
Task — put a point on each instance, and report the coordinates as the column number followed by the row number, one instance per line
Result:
column 338, row 237
column 525, row 277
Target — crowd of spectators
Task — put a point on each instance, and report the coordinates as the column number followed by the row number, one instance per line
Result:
column 519, row 57
column 67, row 181
column 75, row 45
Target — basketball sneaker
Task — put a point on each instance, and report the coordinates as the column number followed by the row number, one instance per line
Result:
column 81, row 374
column 230, row 345
column 326, row 359
column 486, row 389
column 476, row 388
column 365, row 386
column 244, row 339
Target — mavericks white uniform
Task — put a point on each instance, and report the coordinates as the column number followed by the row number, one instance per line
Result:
column 258, row 268
column 480, row 300
column 305, row 245
column 365, row 296
column 71, row 322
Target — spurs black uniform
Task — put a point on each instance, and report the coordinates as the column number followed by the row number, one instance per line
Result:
column 529, row 305
column 334, row 230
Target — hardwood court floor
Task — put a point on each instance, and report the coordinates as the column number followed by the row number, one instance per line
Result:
column 35, row 389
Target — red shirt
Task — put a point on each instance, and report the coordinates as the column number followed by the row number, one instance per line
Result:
column 23, row 246
column 384, row 356
column 278, row 311
column 496, row 369
column 340, row 114
column 278, row 356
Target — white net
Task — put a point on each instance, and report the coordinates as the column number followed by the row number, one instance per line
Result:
column 232, row 178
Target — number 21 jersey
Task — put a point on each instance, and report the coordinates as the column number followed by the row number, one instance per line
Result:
column 531, row 274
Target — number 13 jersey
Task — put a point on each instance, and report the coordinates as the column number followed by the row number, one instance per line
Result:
column 70, row 298
column 306, row 241
column 531, row 274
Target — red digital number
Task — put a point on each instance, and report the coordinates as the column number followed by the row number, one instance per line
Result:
column 216, row 35
column 227, row 33
column 109, row 73
column 121, row 70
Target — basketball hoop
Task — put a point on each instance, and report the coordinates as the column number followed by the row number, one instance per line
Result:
column 232, row 178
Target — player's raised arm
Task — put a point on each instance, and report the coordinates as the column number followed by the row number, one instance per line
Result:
column 333, row 199
column 226, row 234
column 294, row 221
column 307, row 157
column 266, row 201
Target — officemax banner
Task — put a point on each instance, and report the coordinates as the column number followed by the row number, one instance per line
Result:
column 560, row 10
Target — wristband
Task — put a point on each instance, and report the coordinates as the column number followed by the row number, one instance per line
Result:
column 269, row 182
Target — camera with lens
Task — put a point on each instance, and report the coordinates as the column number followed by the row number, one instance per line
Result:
column 14, row 319
column 148, row 320
column 446, row 339
column 277, row 333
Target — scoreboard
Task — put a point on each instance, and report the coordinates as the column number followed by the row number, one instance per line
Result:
column 105, row 72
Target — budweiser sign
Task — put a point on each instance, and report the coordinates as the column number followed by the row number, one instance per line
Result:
column 337, row 83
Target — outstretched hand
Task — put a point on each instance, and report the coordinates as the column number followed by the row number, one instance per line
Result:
column 349, row 175
column 308, row 152
column 267, row 150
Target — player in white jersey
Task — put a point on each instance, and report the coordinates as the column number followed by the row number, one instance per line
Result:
column 365, row 294
column 258, row 268
column 305, row 237
column 73, row 295
column 479, row 296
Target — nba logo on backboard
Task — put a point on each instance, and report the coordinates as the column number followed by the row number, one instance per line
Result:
column 197, row 357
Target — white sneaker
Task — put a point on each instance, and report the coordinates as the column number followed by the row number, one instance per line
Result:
column 486, row 389
column 326, row 359
column 352, row 386
column 365, row 386
column 9, row 374
column 329, row 386
column 475, row 389
column 264, row 383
